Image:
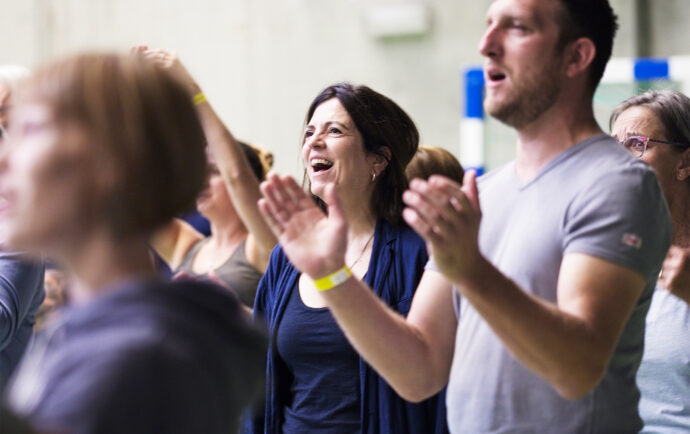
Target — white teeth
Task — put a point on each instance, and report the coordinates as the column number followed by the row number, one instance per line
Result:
column 320, row 162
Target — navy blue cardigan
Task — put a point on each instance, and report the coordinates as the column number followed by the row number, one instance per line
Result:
column 397, row 263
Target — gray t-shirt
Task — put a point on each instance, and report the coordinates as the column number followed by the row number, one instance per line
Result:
column 594, row 198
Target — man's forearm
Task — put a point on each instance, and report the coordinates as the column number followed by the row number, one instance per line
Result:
column 569, row 346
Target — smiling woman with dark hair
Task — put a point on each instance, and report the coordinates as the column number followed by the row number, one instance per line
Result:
column 357, row 143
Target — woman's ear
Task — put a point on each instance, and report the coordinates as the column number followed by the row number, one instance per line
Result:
column 683, row 167
column 379, row 160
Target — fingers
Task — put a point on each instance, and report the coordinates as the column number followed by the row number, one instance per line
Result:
column 282, row 199
column 675, row 271
column 283, row 193
column 273, row 202
column 183, row 275
column 469, row 187
column 138, row 49
column 440, row 203
column 420, row 226
column 268, row 215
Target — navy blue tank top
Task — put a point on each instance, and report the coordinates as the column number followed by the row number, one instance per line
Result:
column 324, row 385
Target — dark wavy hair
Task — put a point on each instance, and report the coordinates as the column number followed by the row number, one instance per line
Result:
column 593, row 19
column 382, row 124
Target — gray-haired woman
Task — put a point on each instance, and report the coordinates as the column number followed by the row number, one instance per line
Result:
column 655, row 126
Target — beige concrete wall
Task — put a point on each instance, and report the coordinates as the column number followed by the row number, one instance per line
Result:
column 262, row 61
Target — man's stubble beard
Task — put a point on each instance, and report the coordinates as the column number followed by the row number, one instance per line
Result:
column 530, row 98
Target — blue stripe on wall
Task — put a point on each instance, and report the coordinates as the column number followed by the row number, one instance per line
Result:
column 651, row 69
column 474, row 86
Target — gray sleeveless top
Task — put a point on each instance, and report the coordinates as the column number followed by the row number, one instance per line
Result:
column 236, row 272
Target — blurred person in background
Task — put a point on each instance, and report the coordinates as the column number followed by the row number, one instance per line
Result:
column 434, row 160
column 56, row 285
column 10, row 77
column 21, row 279
column 237, row 251
column 655, row 127
column 93, row 166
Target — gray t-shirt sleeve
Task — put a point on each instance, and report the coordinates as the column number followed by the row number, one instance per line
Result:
column 628, row 226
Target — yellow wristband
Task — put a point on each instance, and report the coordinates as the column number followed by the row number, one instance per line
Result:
column 334, row 279
column 199, row 98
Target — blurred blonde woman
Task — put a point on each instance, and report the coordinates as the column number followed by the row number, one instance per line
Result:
column 97, row 145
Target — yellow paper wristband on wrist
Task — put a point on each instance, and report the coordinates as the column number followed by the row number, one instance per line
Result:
column 199, row 98
column 334, row 279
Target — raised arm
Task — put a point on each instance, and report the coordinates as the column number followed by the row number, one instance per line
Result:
column 243, row 186
column 413, row 355
column 173, row 241
column 570, row 343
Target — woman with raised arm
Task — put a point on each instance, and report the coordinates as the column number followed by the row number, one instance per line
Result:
column 240, row 243
column 97, row 145
column 357, row 142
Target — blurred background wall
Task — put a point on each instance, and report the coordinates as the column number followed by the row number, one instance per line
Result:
column 261, row 62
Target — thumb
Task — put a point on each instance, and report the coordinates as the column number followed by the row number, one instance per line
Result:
column 469, row 187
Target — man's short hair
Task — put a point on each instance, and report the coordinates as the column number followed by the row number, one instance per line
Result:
column 593, row 19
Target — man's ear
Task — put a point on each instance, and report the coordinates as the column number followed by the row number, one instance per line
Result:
column 683, row 167
column 581, row 53
column 379, row 160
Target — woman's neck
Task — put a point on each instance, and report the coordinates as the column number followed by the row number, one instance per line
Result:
column 228, row 233
column 101, row 261
column 358, row 214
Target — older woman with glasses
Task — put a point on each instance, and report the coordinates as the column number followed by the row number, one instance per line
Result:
column 655, row 126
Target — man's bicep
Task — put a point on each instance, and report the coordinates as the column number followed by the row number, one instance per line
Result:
column 432, row 314
column 600, row 293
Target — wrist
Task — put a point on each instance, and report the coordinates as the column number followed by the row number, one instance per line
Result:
column 199, row 98
column 474, row 276
column 193, row 88
column 329, row 280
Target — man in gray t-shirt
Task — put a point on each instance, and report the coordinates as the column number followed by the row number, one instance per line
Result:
column 578, row 204
column 555, row 282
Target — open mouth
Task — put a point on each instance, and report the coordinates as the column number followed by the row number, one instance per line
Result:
column 320, row 165
column 496, row 76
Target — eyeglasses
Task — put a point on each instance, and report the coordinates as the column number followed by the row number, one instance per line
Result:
column 637, row 145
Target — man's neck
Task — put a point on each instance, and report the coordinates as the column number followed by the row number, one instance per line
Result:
column 557, row 129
